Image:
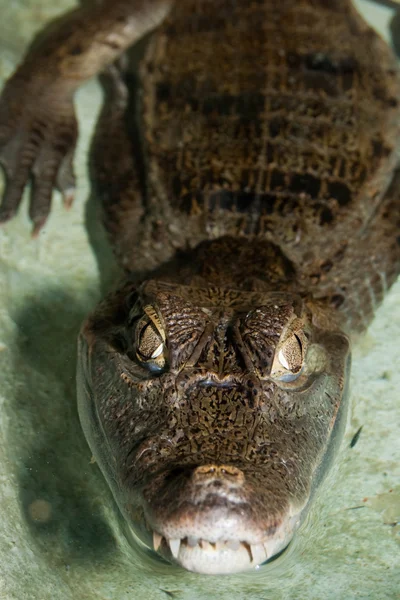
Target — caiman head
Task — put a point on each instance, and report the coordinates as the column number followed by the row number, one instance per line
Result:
column 213, row 414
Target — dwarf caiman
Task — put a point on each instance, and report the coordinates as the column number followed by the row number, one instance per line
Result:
column 247, row 162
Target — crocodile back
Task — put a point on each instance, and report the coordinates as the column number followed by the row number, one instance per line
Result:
column 268, row 109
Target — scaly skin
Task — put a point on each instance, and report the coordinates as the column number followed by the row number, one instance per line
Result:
column 250, row 190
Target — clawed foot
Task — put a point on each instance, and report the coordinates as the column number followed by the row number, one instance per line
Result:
column 38, row 133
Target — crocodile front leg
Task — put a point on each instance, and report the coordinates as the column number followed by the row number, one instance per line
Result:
column 38, row 129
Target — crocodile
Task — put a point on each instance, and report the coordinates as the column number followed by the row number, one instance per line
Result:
column 247, row 164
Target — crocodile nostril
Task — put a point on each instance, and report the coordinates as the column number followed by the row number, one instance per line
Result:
column 218, row 474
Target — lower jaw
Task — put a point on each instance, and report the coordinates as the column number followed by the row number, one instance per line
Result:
column 218, row 559
column 225, row 557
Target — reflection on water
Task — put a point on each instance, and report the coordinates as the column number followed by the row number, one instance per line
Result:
column 61, row 535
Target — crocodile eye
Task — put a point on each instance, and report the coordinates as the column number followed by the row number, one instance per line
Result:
column 150, row 341
column 289, row 359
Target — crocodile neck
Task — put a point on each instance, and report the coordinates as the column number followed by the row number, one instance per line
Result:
column 241, row 265
column 232, row 263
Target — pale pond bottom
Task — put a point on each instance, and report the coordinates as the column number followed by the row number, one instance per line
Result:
column 61, row 537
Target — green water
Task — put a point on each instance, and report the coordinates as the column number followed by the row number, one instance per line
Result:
column 61, row 536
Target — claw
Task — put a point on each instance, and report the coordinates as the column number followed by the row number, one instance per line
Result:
column 68, row 198
column 37, row 227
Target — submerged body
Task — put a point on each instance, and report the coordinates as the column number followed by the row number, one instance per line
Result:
column 249, row 180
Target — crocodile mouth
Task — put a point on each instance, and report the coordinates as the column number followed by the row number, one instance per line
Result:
column 225, row 556
column 215, row 519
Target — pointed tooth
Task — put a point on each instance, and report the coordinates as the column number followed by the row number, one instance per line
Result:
column 220, row 545
column 258, row 553
column 192, row 541
column 157, row 538
column 233, row 544
column 175, row 546
column 205, row 545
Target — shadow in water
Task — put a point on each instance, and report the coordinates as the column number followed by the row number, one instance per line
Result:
column 61, row 494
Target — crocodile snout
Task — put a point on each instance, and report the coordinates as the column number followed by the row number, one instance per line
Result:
column 218, row 476
column 208, row 519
